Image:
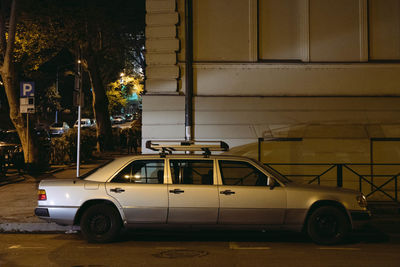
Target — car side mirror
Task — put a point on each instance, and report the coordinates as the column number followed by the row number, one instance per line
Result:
column 271, row 183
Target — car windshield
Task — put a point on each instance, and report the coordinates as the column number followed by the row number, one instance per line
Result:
column 57, row 125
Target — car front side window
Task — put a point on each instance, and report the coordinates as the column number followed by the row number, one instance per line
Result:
column 142, row 172
column 198, row 172
column 241, row 173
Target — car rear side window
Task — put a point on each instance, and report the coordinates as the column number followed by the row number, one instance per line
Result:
column 192, row 172
column 142, row 172
column 241, row 173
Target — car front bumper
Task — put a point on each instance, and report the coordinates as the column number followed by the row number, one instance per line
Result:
column 360, row 218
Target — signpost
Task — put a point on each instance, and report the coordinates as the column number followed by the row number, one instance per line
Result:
column 27, row 104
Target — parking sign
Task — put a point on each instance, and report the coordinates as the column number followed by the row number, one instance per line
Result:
column 27, row 89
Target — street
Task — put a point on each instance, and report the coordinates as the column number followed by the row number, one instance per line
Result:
column 195, row 248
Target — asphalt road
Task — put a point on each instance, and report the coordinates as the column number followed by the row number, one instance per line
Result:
column 158, row 248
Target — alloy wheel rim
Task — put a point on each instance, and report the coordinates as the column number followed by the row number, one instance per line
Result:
column 100, row 224
column 326, row 226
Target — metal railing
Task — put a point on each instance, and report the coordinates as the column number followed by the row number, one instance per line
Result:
column 376, row 181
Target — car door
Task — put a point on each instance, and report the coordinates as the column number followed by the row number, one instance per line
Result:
column 246, row 198
column 140, row 190
column 193, row 197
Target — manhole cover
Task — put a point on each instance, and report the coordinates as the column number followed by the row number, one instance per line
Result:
column 181, row 253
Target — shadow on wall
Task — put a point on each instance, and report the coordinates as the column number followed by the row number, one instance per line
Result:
column 322, row 151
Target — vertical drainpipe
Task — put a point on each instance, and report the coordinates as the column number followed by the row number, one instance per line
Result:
column 189, row 70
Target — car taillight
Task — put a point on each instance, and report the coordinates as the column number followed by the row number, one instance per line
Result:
column 42, row 194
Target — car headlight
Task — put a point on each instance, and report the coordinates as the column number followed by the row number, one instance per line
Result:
column 362, row 201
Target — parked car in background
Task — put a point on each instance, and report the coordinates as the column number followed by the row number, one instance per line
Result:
column 118, row 119
column 129, row 117
column 58, row 129
column 10, row 150
column 197, row 190
column 42, row 125
column 85, row 122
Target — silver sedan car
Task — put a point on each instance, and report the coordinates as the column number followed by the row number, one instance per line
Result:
column 221, row 191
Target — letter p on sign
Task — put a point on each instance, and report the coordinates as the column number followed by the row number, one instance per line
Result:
column 27, row 89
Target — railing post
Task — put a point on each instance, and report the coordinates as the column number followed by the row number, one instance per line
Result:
column 339, row 180
column 259, row 148
column 395, row 188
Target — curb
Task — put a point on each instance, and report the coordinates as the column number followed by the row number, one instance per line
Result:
column 36, row 228
column 12, row 179
column 56, row 170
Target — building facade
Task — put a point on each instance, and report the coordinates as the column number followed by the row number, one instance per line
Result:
column 324, row 71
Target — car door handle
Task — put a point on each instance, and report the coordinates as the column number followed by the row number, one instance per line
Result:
column 176, row 191
column 117, row 190
column 227, row 192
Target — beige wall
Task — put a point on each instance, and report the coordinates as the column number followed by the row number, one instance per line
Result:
column 242, row 120
column 245, row 87
column 282, row 25
column 223, row 30
column 271, row 79
column 384, row 32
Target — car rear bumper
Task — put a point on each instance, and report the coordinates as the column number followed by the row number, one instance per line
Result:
column 59, row 215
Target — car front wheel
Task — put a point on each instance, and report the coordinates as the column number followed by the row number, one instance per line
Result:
column 328, row 226
column 100, row 223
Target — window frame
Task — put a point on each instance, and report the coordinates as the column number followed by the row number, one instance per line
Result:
column 243, row 162
column 170, row 180
column 114, row 176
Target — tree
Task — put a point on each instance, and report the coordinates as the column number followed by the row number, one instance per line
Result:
column 119, row 91
column 19, row 41
column 8, row 16
column 48, row 101
column 108, row 35
column 106, row 41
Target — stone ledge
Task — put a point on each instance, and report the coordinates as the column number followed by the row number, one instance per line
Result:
column 162, row 19
column 154, row 6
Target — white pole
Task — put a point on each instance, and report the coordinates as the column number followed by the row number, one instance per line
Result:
column 27, row 135
column 78, row 142
column 56, row 121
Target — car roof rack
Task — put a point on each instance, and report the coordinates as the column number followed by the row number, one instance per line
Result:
column 169, row 146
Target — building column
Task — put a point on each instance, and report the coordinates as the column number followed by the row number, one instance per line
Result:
column 162, row 44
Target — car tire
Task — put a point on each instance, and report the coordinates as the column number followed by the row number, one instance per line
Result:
column 328, row 225
column 100, row 223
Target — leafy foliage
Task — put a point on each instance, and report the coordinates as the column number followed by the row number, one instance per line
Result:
column 48, row 100
column 120, row 90
column 63, row 149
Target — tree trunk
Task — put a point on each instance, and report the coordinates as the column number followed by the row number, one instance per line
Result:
column 26, row 135
column 100, row 102
column 9, row 77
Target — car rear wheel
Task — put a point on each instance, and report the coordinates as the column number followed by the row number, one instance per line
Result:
column 328, row 225
column 100, row 223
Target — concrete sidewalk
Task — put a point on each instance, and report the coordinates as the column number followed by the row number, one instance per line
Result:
column 19, row 199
